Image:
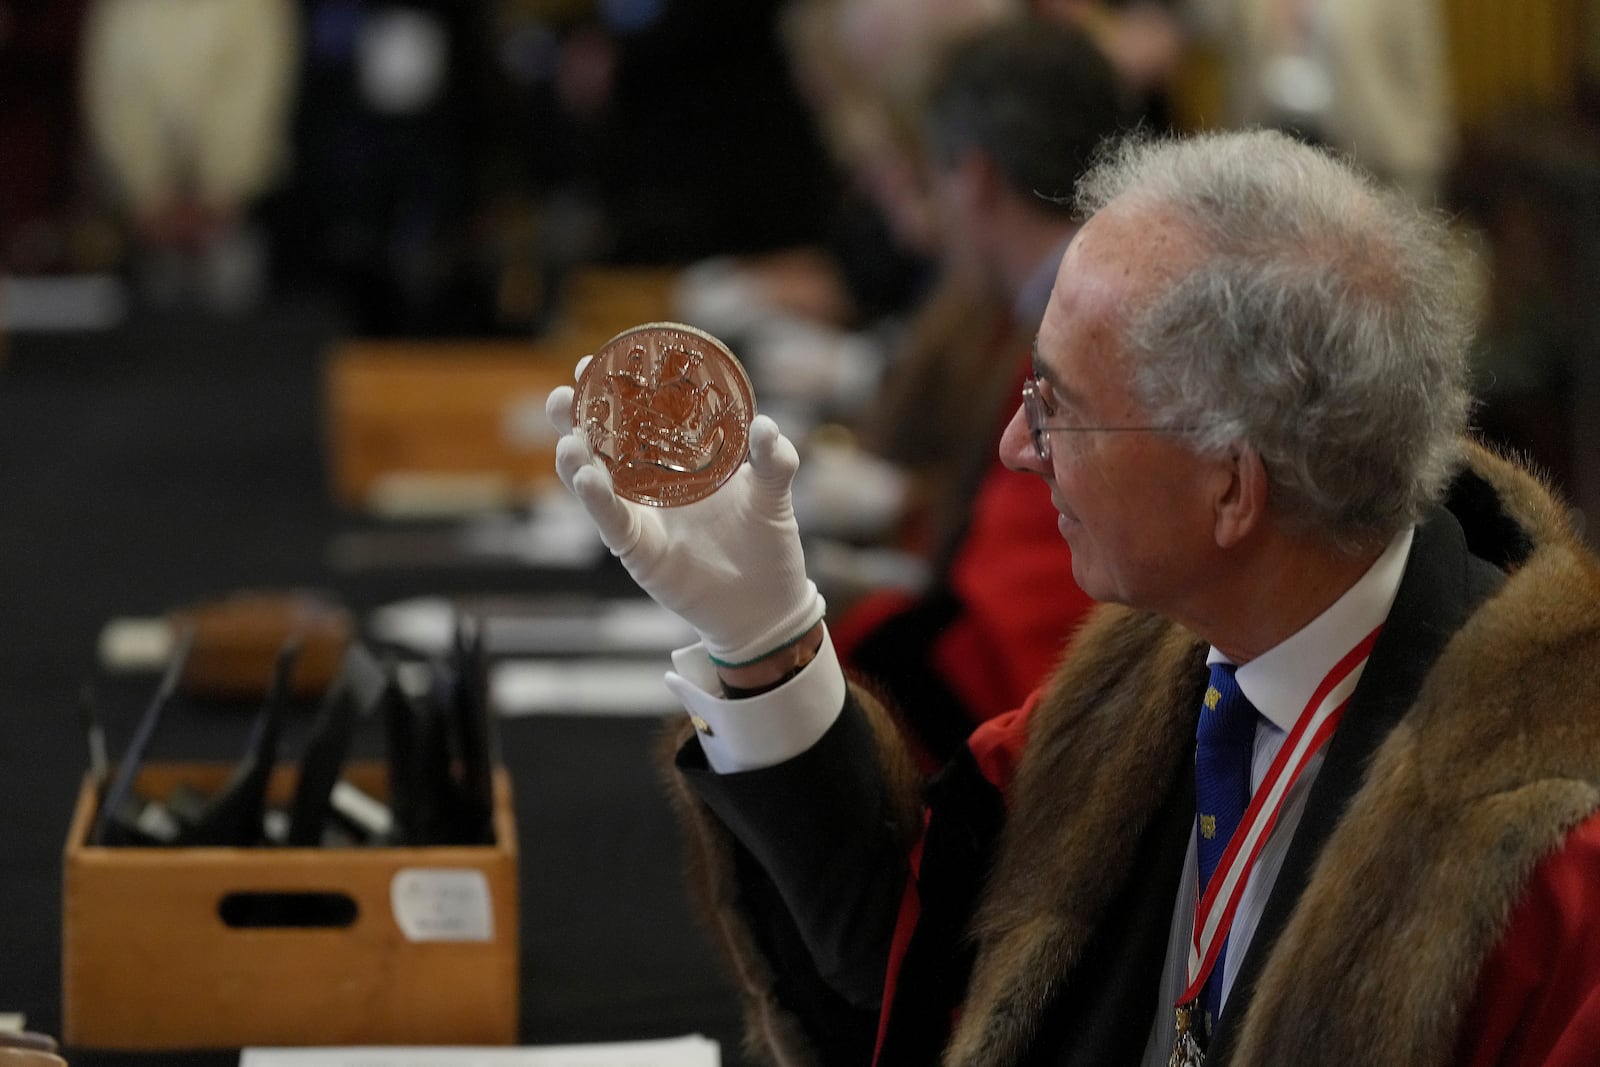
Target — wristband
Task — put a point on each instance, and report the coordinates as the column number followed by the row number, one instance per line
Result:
column 791, row 658
column 715, row 662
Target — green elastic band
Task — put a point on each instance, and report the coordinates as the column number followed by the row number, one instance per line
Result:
column 757, row 659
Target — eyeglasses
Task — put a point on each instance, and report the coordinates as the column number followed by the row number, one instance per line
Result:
column 1036, row 409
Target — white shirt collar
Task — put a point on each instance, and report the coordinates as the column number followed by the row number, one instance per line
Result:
column 1281, row 680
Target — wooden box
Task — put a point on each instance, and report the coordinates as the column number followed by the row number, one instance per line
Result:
column 427, row 955
column 454, row 420
column 453, row 425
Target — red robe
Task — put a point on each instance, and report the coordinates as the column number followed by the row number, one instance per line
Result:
column 1537, row 1002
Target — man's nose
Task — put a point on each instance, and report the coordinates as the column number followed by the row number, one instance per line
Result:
column 1016, row 446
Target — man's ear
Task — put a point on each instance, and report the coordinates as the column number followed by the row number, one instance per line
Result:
column 1241, row 502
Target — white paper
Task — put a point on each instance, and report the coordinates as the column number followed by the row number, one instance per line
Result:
column 554, row 532
column 689, row 1051
column 536, row 626
column 581, row 687
column 64, row 304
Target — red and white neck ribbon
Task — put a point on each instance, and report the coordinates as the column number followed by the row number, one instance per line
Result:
column 1219, row 900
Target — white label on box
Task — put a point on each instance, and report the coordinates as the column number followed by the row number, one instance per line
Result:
column 442, row 904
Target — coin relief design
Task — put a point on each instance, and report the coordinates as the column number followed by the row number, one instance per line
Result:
column 667, row 409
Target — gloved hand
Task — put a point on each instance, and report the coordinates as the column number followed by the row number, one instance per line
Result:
column 729, row 564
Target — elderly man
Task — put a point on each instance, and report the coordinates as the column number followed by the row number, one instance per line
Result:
column 1318, row 786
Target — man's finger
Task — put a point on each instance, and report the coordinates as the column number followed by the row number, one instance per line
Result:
column 773, row 457
column 558, row 409
column 618, row 526
column 572, row 456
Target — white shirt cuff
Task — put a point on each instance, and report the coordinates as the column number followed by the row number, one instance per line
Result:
column 764, row 730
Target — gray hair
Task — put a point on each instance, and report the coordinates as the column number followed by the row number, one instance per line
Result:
column 1324, row 323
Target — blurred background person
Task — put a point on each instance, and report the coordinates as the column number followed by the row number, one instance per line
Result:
column 707, row 148
column 1011, row 114
column 1368, row 77
column 387, row 141
column 859, row 66
column 534, row 139
column 187, row 106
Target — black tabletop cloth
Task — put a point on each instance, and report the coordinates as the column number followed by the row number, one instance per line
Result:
column 174, row 460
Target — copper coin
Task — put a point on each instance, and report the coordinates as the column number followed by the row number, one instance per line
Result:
column 667, row 409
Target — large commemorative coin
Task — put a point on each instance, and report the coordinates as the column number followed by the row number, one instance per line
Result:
column 667, row 409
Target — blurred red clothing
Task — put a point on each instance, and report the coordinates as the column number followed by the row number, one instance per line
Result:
column 992, row 624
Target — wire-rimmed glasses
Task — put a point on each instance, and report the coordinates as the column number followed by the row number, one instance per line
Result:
column 1037, row 410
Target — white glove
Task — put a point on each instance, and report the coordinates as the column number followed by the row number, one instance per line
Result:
column 729, row 564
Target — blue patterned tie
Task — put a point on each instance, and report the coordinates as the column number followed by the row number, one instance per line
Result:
column 1225, row 740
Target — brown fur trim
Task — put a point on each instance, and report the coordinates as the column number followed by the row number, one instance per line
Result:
column 771, row 1032
column 1526, row 496
column 1102, row 751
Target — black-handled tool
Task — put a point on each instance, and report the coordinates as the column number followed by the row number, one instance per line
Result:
column 233, row 817
column 121, row 786
column 354, row 693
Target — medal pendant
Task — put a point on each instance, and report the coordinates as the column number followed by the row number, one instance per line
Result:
column 1186, row 1052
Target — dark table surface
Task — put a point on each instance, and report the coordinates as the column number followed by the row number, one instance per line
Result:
column 174, row 460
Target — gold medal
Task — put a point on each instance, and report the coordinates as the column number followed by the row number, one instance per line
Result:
column 667, row 409
column 1186, row 1051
